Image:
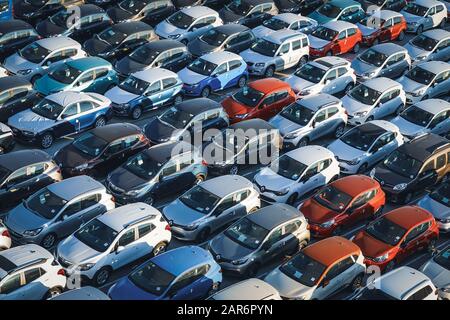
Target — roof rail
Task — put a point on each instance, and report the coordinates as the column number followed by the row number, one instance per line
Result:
column 28, row 264
column 138, row 220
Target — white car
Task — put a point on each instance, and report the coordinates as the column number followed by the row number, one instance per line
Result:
column 422, row 15
column 30, row 272
column 296, row 173
column 438, row 270
column 430, row 45
column 5, row 237
column 285, row 21
column 113, row 240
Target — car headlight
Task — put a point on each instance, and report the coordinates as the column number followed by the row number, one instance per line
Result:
column 282, row 192
column 447, row 220
column 360, row 114
column 81, row 167
column 24, row 72
column 382, row 258
column 400, row 186
column 354, row 161
column 304, row 92
column 174, row 36
column 32, row 233
column 85, row 266
column 133, row 193
column 327, row 224
column 239, row 261
column 418, row 93
column 372, row 173
column 191, row 226
column 241, row 116
column 259, row 65
column 420, row 58
column 368, row 74
column 292, row 135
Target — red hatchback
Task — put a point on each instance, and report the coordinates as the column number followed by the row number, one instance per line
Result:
column 343, row 203
column 385, row 25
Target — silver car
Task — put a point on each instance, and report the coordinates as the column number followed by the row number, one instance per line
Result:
column 437, row 269
column 421, row 15
column 281, row 21
column 250, row 289
column 210, row 205
column 430, row 45
column 438, row 203
column 309, row 119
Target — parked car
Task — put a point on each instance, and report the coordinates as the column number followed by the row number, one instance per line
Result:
column 382, row 26
column 284, row 21
column 35, row 11
column 83, row 293
column 250, row 289
column 24, row 172
column 5, row 238
column 101, row 150
column 320, row 270
column 430, row 45
column 296, row 173
column 184, row 273
column 438, row 270
column 437, row 202
column 250, row 13
column 7, row 141
column 372, row 6
column 30, row 272
column 181, row 4
column 262, row 99
column 145, row 90
column 15, row 35
column 113, row 240
column 6, row 10
column 309, row 119
column 148, row 11
column 421, row 15
column 277, row 51
column 345, row 10
column 303, row 7
column 102, row 3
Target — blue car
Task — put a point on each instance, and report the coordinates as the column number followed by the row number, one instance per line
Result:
column 6, row 9
column 185, row 273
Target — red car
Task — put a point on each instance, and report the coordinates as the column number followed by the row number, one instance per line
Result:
column 397, row 235
column 385, row 25
column 343, row 203
column 334, row 38
column 260, row 99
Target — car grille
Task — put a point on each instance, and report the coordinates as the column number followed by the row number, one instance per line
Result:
column 342, row 160
column 218, row 257
column 114, row 188
column 64, row 263
column 250, row 64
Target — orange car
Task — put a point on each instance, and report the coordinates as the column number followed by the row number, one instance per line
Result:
column 384, row 25
column 260, row 99
column 342, row 203
column 397, row 235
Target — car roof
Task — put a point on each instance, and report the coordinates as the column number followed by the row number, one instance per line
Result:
column 355, row 184
column 199, row 11
column 385, row 125
column 408, row 216
column 272, row 216
column 339, row 25
column 256, row 2
column 56, row 43
column 19, row 159
column 249, row 289
column 381, row 84
column 330, row 250
column 162, row 45
column 83, row 293
column 388, row 48
column 283, row 35
column 198, row 105
column 13, row 25
column 437, row 34
column 65, row 98
column 220, row 57
column 131, row 27
column 10, row 82
column 343, row 3
column 289, row 17
column 433, row 106
column 317, row 101
column 153, row 74
column 427, row 3
column 88, row 63
column 331, row 62
column 309, row 155
column 177, row 261
column 256, row 124
column 268, row 85
column 422, row 147
column 435, row 66
column 120, row 217
column 386, row 14
column 231, row 28
column 88, row 9
column 114, row 131
column 163, row 152
column 224, row 185
column 73, row 187
column 19, row 256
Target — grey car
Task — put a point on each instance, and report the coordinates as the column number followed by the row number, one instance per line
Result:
column 430, row 45
column 383, row 60
column 271, row 232
column 438, row 203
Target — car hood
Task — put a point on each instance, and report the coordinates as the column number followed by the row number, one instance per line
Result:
column 47, row 29
column 407, row 128
column 15, row 63
column 410, row 85
column 124, row 289
column 47, row 85
column 120, row 96
column 118, row 15
column 438, row 209
column 361, row 67
column 23, row 8
column 157, row 130
column 370, row 246
column 415, row 52
column 229, row 16
column 126, row 180
column 316, row 213
column 317, row 43
column 344, row 151
column 284, row 125
column 127, row 66
column 29, row 121
column 70, row 157
column 410, row 18
column 321, row 19
column 21, row 219
column 286, row 286
column 96, row 46
column 190, row 77
column 261, row 31
column 199, row 48
column 181, row 214
column 352, row 106
column 365, row 30
column 386, row 176
column 438, row 274
column 165, row 29
column 75, row 251
column 271, row 180
column 298, row 84
column 227, row 248
column 232, row 107
column 255, row 57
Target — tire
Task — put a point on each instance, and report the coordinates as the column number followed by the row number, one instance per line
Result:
column 303, row 142
column 52, row 292
column 442, row 24
column 292, row 198
column 234, row 169
column 49, row 241
column 401, row 36
column 206, row 91
column 199, row 178
column 362, row 168
column 303, row 60
column 419, row 29
column 349, row 87
column 375, row 42
column 178, row 99
column 101, row 276
column 242, row 82
column 159, row 248
column 252, row 271
column 339, row 131
column 149, row 200
column 357, row 282
column 329, row 53
column 203, row 235
column 399, row 109
column 100, row 122
column 46, row 140
column 136, row 113
column 356, row 48
column 269, row 72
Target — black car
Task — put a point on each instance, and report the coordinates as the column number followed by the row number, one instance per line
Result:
column 167, row 54
column 303, row 7
column 24, row 172
column 16, row 95
column 230, row 37
column 250, row 13
column 148, row 11
column 103, row 3
column 37, row 10
column 7, row 141
column 216, row 4
column 92, row 20
column 119, row 39
column 101, row 150
column 394, row 5
column 14, row 35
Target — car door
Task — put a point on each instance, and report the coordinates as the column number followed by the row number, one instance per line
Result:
column 84, row 81
column 153, row 96
column 167, row 180
column 339, row 45
column 411, row 242
column 68, row 122
column 284, row 58
column 273, row 245
column 440, row 84
column 382, row 147
column 12, row 287
column 13, row 101
column 113, row 156
column 22, row 183
column 265, row 107
column 87, row 114
column 386, row 30
column 329, row 82
column 201, row 26
column 124, row 251
column 427, row 176
column 221, row 77
column 358, row 209
column 331, row 281
column 192, row 285
column 442, row 51
column 430, row 19
column 147, row 238
column 440, row 123
column 319, row 124
column 177, row 59
column 310, row 180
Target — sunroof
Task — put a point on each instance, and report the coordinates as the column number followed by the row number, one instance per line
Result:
column 6, row 265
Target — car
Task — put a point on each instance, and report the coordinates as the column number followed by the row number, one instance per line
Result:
column 387, row 60
column 154, row 173
column 113, row 240
column 30, row 272
column 168, row 54
column 334, row 10
column 250, row 289
column 310, row 118
column 90, row 74
column 365, row 145
column 35, row 11
column 57, row 210
column 372, row 6
column 431, row 115
column 277, row 51
column 342, row 204
column 417, row 164
column 430, row 45
column 403, row 283
column 5, row 238
column 250, row 13
column 229, row 37
column 303, row 7
column 6, row 8
column 102, row 3
column 285, row 21
column 24, row 172
column 262, row 99
column 14, row 35
column 374, row 99
column 397, row 235
column 187, row 24
column 213, row 72
column 330, row 75
column 150, row 12
column 116, row 41
column 296, row 173
column 181, row 4
column 145, row 90
column 35, row 59
column 211, row 205
column 185, row 120
column 184, row 273
column 83, row 293
column 254, row 141
column 320, row 270
column 438, row 270
column 60, row 115
column 334, row 38
column 7, row 141
column 101, row 149
column 421, row 15
column 254, row 240
column 437, row 202
column 91, row 20
column 382, row 26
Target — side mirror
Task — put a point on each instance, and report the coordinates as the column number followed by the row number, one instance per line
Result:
column 64, row 217
column 266, row 246
column 304, row 179
column 403, row 244
column 64, row 116
column 47, row 63
column 172, row 292
column 327, row 81
column 313, row 124
column 119, row 249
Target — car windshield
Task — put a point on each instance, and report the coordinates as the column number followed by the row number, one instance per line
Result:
column 298, row 113
column 202, row 67
column 240, row 8
column 180, row 20
column 415, row 9
column 134, row 85
column 61, row 18
column 443, row 258
column 176, row 118
column 144, row 55
column 424, row 42
column 324, row 33
column 311, row 73
column 304, row 269
column 45, row 204
column 333, row 198
column 34, row 53
column 200, row 199
column 96, row 235
column 420, row 75
column 48, row 109
column 371, row 293
column 417, row 116
column 248, row 96
column 64, row 74
column 287, row 167
column 133, row 6
column 275, row 24
column 247, row 233
column 111, row 36
column 3, row 174
column 386, row 231
column 364, row 94
column 36, row 3
column 329, row 10
column 152, row 278
column 377, row 2
column 214, row 37
column 373, row 57
column 360, row 139
column 143, row 166
column 266, row 48
column 90, row 144
column 403, row 164
column 442, row 194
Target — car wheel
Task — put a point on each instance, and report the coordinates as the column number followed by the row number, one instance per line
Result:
column 357, row 282
column 205, row 92
column 199, row 178
column 35, row 78
column 136, row 113
column 254, row 209
column 303, row 60
column 149, row 200
column 100, row 122
column 419, row 29
column 362, row 168
column 242, row 82
column 269, row 72
column 102, row 276
column 203, row 235
column 46, row 140
column 375, row 42
column 370, row 118
column 234, row 169
column 329, row 53
column 442, row 24
column 401, row 36
column 49, row 241
column 178, row 99
column 337, row 231
column 349, row 87
column 356, row 48
column 292, row 198
column 53, row 292
column 303, row 142
column 339, row 130
column 159, row 248
column 399, row 109
column 252, row 271
column 389, row 267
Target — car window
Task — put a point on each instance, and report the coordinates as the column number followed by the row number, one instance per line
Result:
column 145, row 229
column 417, row 231
column 26, row 173
column 169, row 169
column 297, row 44
column 234, row 64
column 339, row 267
column 441, row 161
column 321, row 116
column 33, row 274
column 223, row 68
column 226, row 204
column 359, row 201
column 444, row 44
column 442, row 77
column 351, row 31
column 284, row 48
column 19, row 92
column 155, row 87
column 241, row 196
column 269, row 100
column 72, row 209
column 388, row 23
column 342, row 35
column 332, row 111
column 99, row 73
column 169, row 82
column 428, row 166
column 185, row 161
column 70, row 110
column 331, row 75
column 292, row 227
column 280, row 96
column 86, row 77
column 341, row 71
column 176, row 54
column 397, row 20
column 275, row 236
column 90, row 201
column 127, row 238
column 10, row 285
column 130, row 141
column 421, row 293
column 442, row 116
column 312, row 171
column 86, row 106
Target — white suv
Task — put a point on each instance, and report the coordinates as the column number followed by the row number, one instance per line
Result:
column 113, row 240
